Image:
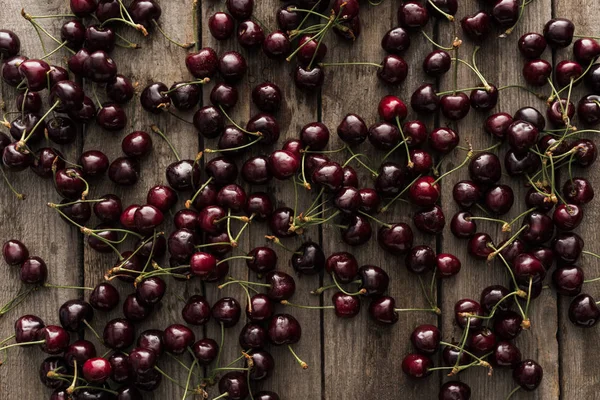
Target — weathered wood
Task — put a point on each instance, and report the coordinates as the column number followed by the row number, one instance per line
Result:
column 157, row 61
column 369, row 356
column 32, row 222
column 540, row 342
column 578, row 346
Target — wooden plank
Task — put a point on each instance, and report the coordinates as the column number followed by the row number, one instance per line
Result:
column 577, row 345
column 369, row 356
column 156, row 61
column 54, row 241
column 540, row 343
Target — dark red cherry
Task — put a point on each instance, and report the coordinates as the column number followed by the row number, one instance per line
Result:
column 506, row 354
column 29, row 102
column 202, row 64
column 506, row 13
column 559, row 32
column 567, row 70
column 374, row 280
column 357, row 231
column 280, row 222
column 177, row 338
column 412, row 15
column 260, row 308
column 537, row 72
column 181, row 244
column 73, row 315
column 221, row 25
column 99, row 38
column 308, row 259
column 309, row 80
column 314, row 135
column 120, row 89
column 205, row 350
column 390, row 179
column 45, row 158
column 499, row 199
column 420, row 259
column 466, row 193
column 330, row 176
column 455, row 106
column 144, row 12
column 266, row 125
column 567, row 217
column 154, row 98
column 343, row 265
column 311, row 52
column 27, row 327
column 425, row 99
column 586, row 153
column 425, row 192
column 235, row 384
column 455, row 390
column 437, row 63
column 142, row 360
column 393, row 70
column 232, row 197
column 476, row 26
column 267, row 97
column 232, row 66
column 578, row 191
column 263, row 260
column 350, row 176
column 250, row 35
column 532, row 45
column 150, row 291
column 588, row 111
column 347, row 200
column 96, row 370
column 555, row 113
column 539, row 228
column 97, row 66
column 396, row 40
column 384, row 136
column 209, row 122
column 253, row 336
column 16, row 160
column 461, row 225
column 14, row 252
column 53, row 364
column 10, row 70
column 370, row 200
column 183, row 175
column 282, row 285
column 162, row 197
column 80, row 351
column 416, row 366
column 287, row 19
column 497, row 124
column 531, row 115
column 240, row 9
column 491, row 296
column 583, row 311
column 277, row 45
column 282, row 164
column 10, row 44
column 568, row 280
column 61, row 130
column 185, row 96
column 226, row 311
column 24, row 124
column 478, row 246
column 443, row 140
column 383, row 310
column 34, row 73
column 93, row 163
column 104, row 297
column 567, row 246
column 426, row 338
column 124, row 171
column 56, row 339
column 86, row 114
column 586, row 50
column 111, row 117
column 485, row 168
column 528, row 375
column 471, row 307
column 196, row 310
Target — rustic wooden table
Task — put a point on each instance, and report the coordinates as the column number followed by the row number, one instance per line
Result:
column 348, row 359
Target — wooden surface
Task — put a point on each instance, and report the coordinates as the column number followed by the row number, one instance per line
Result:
column 348, row 359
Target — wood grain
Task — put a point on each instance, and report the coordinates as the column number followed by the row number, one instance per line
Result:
column 540, row 342
column 578, row 346
column 367, row 355
column 32, row 222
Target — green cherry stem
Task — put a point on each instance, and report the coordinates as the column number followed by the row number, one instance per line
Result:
column 445, row 14
column 157, row 130
column 391, row 202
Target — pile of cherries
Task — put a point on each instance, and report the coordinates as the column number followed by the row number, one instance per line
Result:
column 218, row 209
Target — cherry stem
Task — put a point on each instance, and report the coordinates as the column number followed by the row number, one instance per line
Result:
column 25, row 136
column 512, row 28
column 38, row 28
column 304, row 182
column 341, row 289
column 128, row 44
column 389, row 153
column 320, row 290
column 287, row 303
column 500, row 221
column 293, row 9
column 463, row 342
column 374, row 219
column 509, row 269
column 350, row 63
column 481, row 360
column 460, row 90
column 515, row 390
column 189, row 377
column 93, row 331
column 576, row 80
column 357, row 158
column 448, row 16
column 457, row 42
column 389, row 204
column 538, row 95
column 515, row 219
column 465, row 161
column 236, row 125
column 435, row 310
column 63, row 44
column 185, row 46
column 222, row 396
column 21, row 296
column 191, row 83
column 302, row 363
column 528, row 295
column 48, row 285
column 258, row 139
column 71, row 388
column 157, row 130
column 277, row 242
column 425, row 294
column 235, row 258
column 589, row 253
column 232, row 280
column 20, row 196
column 505, row 245
column 163, row 373
column 22, row 344
column 481, row 78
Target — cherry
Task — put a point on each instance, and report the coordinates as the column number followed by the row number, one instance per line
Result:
column 10, row 70
column 537, row 72
column 370, row 200
column 412, row 15
column 447, row 265
column 329, row 176
column 506, row 354
column 235, row 385
column 568, row 280
column 578, row 191
column 384, row 136
column 282, row 164
column 27, row 327
column 53, row 364
column 567, row 217
column 532, row 45
column 96, row 370
column 471, row 307
column 177, row 338
column 93, row 163
column 184, row 96
column 461, row 225
column 393, row 70
column 232, row 66
column 567, row 70
column 282, row 285
column 491, row 296
column 73, row 33
column 83, row 8
column 424, row 99
column 586, row 50
column 358, row 230
column 185, row 174
column 455, row 390
column 205, row 350
column 466, row 193
column 151, row 339
column 528, row 375
column 33, row 72
column 99, row 38
column 232, row 197
column 350, row 177
column 124, row 171
column 14, row 252
column 586, row 152
column 425, row 192
column 430, row 220
column 591, row 79
column 10, row 44
column 33, row 271
column 484, row 100
column 74, row 313
column 221, row 25
column 277, row 45
column 86, row 114
column 437, row 63
column 506, row 13
column 390, row 179
column 583, row 311
column 476, row 26
column 266, row 125
column 280, row 222
column 539, row 228
column 144, row 12
column 347, row 200
column 196, row 310
column 250, row 35
column 25, row 124
column 481, row 341
column 508, row 325
column 555, row 112
column 97, row 66
column 485, row 168
column 29, row 102
column 121, row 369
column 308, row 259
column 314, row 135
column 56, row 339
column 416, row 366
column 588, row 110
column 396, row 41
column 202, row 64
column 478, row 246
column 374, row 280
column 134, row 310
column 558, row 32
column 309, row 80
column 104, row 297
column 452, row 355
column 150, row 291
column 567, row 246
column 426, row 339
column 61, row 130
column 111, row 117
column 142, row 360
column 80, row 351
column 16, row 160
column 253, row 336
column 499, row 199
column 267, row 97
column 161, row 197
column 57, row 74
column 226, row 311
column 118, row 334
column 443, row 140
column 455, row 106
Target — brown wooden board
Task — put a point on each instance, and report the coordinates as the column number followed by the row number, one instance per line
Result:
column 540, row 342
column 32, row 222
column 577, row 345
column 367, row 355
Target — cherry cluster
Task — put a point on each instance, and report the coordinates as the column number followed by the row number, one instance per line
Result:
column 218, row 209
